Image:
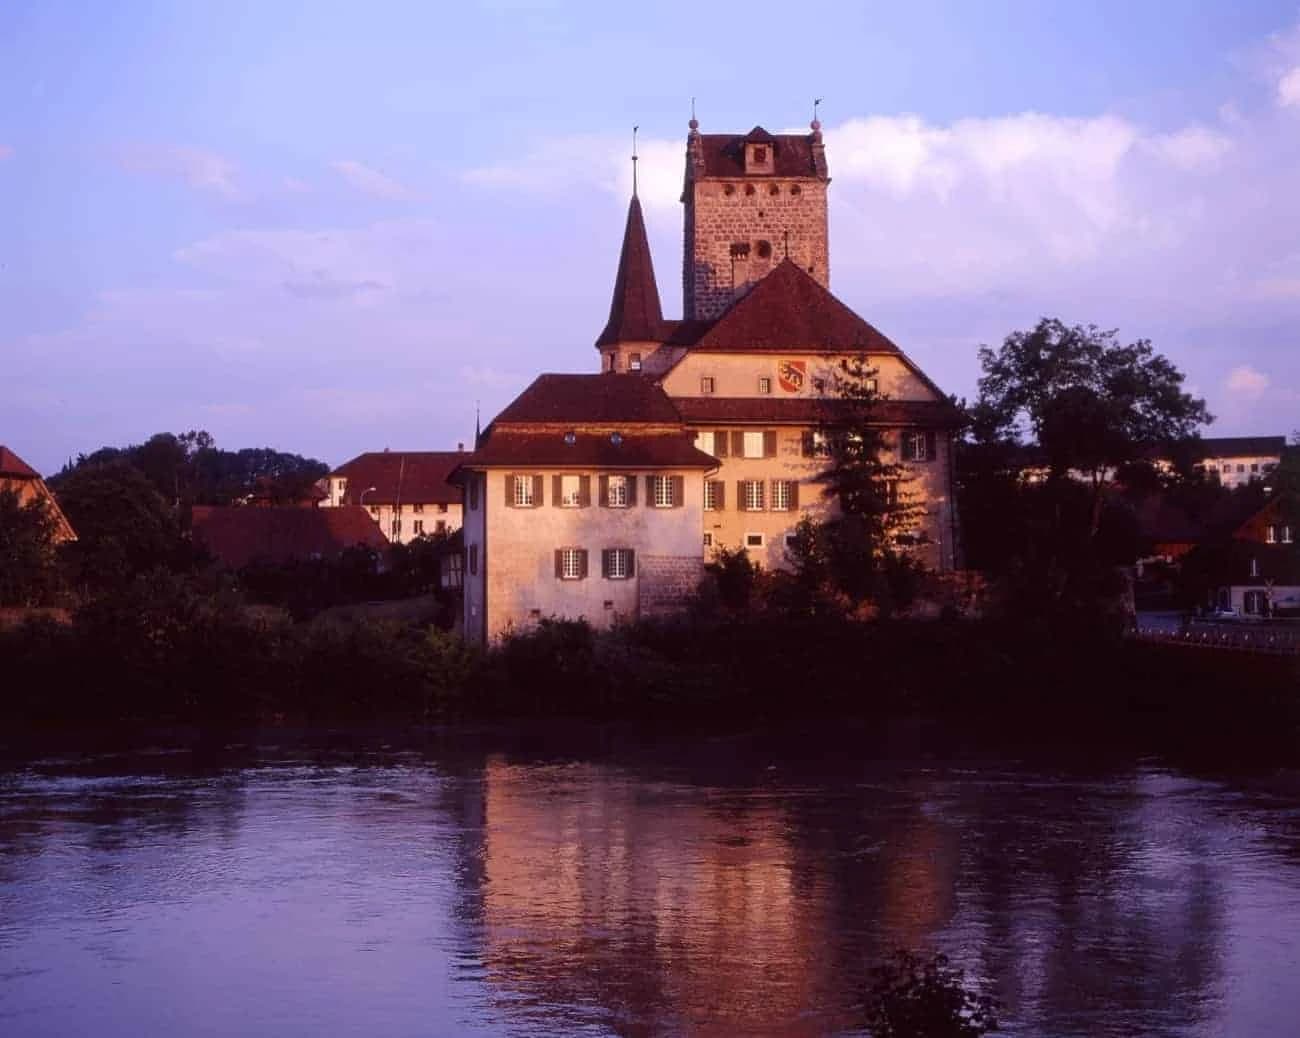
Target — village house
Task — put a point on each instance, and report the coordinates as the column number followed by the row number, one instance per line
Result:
column 406, row 491
column 24, row 481
column 238, row 536
column 1262, row 567
column 1237, row 460
column 710, row 427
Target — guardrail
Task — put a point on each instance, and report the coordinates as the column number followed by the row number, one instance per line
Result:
column 1261, row 640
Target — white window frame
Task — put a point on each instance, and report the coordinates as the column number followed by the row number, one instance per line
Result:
column 1254, row 567
column 755, row 540
column 570, row 491
column 755, row 491
column 920, row 445
column 1270, row 535
column 706, row 385
column 780, row 495
column 764, row 384
column 1287, row 534
column 706, row 440
column 620, row 564
column 524, row 491
column 661, row 491
column 616, row 491
column 570, row 563
column 710, row 495
column 708, row 538
column 634, row 362
column 750, row 437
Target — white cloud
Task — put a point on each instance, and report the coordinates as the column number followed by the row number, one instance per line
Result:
column 6, row 152
column 1288, row 89
column 295, row 185
column 201, row 170
column 1192, row 148
column 372, row 182
column 1246, row 381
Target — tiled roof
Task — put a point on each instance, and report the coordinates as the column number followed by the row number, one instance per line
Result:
column 811, row 410
column 792, row 154
column 791, row 309
column 238, row 536
column 411, row 477
column 634, row 313
column 1242, row 446
column 589, row 450
column 14, row 466
column 590, row 399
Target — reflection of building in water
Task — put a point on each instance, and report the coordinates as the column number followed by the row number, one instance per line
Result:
column 658, row 904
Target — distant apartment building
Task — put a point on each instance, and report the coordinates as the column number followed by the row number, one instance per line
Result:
column 26, row 482
column 406, row 491
column 1236, row 460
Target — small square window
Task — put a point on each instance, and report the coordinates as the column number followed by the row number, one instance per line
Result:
column 819, row 385
column 760, row 153
column 764, row 385
column 708, row 538
column 442, row 509
column 634, row 362
column 706, row 384
column 417, row 509
column 754, row 540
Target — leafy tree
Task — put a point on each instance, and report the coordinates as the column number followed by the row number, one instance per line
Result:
column 124, row 527
column 912, row 997
column 1090, row 403
column 28, row 571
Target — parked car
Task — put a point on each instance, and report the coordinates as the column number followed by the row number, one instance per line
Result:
column 1225, row 613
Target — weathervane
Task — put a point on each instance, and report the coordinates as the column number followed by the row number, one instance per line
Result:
column 816, row 101
column 634, row 129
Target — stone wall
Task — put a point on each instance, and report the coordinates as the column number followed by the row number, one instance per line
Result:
column 754, row 214
column 666, row 582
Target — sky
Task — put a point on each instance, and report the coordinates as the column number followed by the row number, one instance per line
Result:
column 331, row 228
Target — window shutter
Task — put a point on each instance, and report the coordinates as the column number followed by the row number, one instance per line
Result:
column 604, row 563
column 602, row 490
column 738, row 443
column 679, row 490
column 807, row 446
column 510, row 490
column 719, row 494
column 769, row 443
column 905, row 451
column 930, row 444
column 557, row 490
column 720, row 443
column 584, row 491
column 631, row 490
column 559, row 564
column 649, row 491
column 631, row 563
column 740, row 496
column 794, row 495
column 582, row 563
column 537, row 491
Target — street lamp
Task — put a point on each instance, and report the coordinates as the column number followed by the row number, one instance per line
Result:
column 361, row 501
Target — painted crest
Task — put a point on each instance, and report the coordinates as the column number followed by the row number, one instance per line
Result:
column 791, row 375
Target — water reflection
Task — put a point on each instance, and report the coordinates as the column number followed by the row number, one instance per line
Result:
column 513, row 893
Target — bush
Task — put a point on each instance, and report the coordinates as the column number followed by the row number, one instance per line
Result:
column 912, row 997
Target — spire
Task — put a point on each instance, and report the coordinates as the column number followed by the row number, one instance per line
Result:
column 634, row 312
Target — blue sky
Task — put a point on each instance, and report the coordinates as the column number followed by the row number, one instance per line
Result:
column 333, row 228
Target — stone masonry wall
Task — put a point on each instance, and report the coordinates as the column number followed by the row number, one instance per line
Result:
column 749, row 211
column 666, row 582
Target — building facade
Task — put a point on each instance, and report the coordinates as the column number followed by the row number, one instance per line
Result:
column 24, row 481
column 709, row 426
column 406, row 492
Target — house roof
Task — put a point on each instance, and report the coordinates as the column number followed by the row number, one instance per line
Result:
column 606, row 399
column 13, row 466
column 811, row 410
column 414, row 477
column 792, row 154
column 1242, row 446
column 589, row 451
column 634, row 312
column 790, row 309
column 238, row 536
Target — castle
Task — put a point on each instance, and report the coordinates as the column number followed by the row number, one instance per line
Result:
column 602, row 495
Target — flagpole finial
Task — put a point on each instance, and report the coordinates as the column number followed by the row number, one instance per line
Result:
column 694, row 123
column 816, row 123
column 634, row 159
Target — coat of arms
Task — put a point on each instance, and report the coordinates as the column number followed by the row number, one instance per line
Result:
column 790, row 373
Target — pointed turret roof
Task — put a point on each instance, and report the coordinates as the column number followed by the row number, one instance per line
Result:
column 12, row 465
column 634, row 313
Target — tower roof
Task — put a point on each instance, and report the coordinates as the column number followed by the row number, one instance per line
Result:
column 634, row 313
column 794, row 155
column 12, row 465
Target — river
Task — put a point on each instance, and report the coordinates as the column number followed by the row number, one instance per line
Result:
column 725, row 885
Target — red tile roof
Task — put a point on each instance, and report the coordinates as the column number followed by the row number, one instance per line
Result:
column 634, row 313
column 590, row 451
column 1242, row 446
column 792, row 154
column 810, row 411
column 791, row 309
column 590, row 400
column 409, row 477
column 239, row 536
column 13, row 466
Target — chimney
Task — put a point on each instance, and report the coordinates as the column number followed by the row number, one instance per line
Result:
column 460, row 447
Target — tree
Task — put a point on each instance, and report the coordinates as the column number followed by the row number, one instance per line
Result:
column 124, row 527
column 28, row 571
column 913, row 997
column 1090, row 403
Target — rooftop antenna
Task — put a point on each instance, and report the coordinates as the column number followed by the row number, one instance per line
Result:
column 634, row 129
column 478, row 430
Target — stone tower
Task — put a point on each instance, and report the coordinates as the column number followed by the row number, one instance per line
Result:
column 751, row 200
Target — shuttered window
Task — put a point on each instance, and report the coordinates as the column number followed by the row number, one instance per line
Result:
column 618, row 563
column 752, row 444
column 917, row 445
column 525, row 491
column 616, row 491
column 785, row 495
column 714, row 495
column 571, row 563
column 665, row 491
column 750, row 495
column 704, row 441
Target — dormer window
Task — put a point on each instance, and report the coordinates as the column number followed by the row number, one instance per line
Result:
column 760, row 154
